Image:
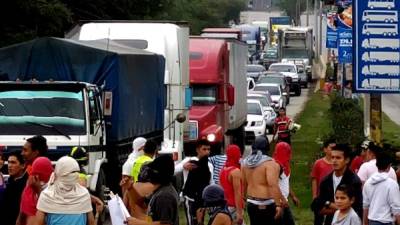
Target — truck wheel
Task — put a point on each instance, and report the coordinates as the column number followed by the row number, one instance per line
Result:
column 102, row 193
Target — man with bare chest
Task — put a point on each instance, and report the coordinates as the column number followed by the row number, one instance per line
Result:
column 261, row 185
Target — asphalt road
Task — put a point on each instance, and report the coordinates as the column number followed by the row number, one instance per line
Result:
column 391, row 106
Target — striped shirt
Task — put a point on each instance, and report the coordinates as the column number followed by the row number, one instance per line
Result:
column 218, row 162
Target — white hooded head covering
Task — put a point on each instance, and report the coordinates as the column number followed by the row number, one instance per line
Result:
column 136, row 145
column 64, row 195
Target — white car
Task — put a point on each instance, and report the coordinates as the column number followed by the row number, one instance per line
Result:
column 256, row 125
column 289, row 70
column 268, row 109
column 275, row 90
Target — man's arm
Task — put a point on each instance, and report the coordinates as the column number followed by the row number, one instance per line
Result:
column 90, row 219
column 294, row 198
column 244, row 180
column 237, row 189
column 134, row 221
column 40, row 218
column 314, row 187
column 272, row 176
column 222, row 219
column 365, row 217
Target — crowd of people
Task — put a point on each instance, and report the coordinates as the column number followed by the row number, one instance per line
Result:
column 224, row 187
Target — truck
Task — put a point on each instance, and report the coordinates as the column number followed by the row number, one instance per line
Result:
column 87, row 94
column 296, row 44
column 218, row 79
column 169, row 39
column 251, row 34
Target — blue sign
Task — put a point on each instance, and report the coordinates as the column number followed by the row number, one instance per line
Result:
column 345, row 45
column 331, row 37
column 376, row 64
column 280, row 20
column 343, row 3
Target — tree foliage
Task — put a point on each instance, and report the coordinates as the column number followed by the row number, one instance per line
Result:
column 347, row 120
column 23, row 20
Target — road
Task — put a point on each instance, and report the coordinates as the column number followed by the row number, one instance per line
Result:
column 391, row 106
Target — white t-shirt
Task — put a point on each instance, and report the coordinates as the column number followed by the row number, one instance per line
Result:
column 284, row 185
column 336, row 181
column 368, row 168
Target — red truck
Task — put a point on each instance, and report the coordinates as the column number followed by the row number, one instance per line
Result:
column 218, row 78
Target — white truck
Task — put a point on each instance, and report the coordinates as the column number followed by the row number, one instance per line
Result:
column 170, row 40
column 381, row 56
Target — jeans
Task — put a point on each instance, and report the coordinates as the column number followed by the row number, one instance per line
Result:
column 286, row 218
column 261, row 214
column 371, row 222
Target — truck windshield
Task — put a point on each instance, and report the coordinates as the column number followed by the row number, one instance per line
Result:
column 294, row 53
column 271, row 54
column 271, row 80
column 253, row 109
column 273, row 90
column 28, row 112
column 204, row 95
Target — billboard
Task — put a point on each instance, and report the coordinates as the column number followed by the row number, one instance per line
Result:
column 377, row 46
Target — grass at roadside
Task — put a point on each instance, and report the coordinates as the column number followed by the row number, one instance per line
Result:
column 390, row 131
column 306, row 148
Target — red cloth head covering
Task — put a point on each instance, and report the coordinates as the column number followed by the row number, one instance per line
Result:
column 283, row 155
column 233, row 156
column 41, row 168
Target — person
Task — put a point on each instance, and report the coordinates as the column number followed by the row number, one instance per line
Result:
column 14, row 187
column 381, row 195
column 65, row 201
column 281, row 126
column 34, row 147
column 283, row 155
column 218, row 162
column 368, row 168
column 81, row 157
column 40, row 174
column 197, row 174
column 2, row 181
column 164, row 200
column 150, row 150
column 361, row 157
column 137, row 146
column 345, row 214
column 341, row 175
column 231, row 182
column 214, row 201
column 261, row 185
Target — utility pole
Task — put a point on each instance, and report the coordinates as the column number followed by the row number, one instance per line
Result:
column 307, row 15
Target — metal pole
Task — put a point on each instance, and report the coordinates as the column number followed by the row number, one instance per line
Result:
column 307, row 15
column 376, row 118
column 343, row 78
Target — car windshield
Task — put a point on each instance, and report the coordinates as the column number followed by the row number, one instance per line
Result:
column 255, row 68
column 42, row 112
column 294, row 53
column 204, row 95
column 263, row 100
column 282, row 68
column 253, row 109
column 271, row 54
column 273, row 90
column 271, row 80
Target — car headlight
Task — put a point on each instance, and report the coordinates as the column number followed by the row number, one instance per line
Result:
column 211, row 137
column 259, row 123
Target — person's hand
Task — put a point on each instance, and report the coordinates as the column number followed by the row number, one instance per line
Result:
column 278, row 213
column 132, row 221
column 35, row 184
column 333, row 206
column 284, row 202
column 239, row 220
column 189, row 166
column 99, row 205
column 296, row 201
column 126, row 183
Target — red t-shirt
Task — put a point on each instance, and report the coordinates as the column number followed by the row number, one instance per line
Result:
column 356, row 164
column 282, row 125
column 320, row 170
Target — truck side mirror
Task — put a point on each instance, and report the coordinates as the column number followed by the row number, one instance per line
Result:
column 231, row 94
column 180, row 118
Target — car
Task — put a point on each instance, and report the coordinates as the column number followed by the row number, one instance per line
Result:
column 256, row 125
column 269, row 56
column 288, row 69
column 275, row 90
column 302, row 75
column 250, row 83
column 277, row 78
column 255, row 71
column 269, row 110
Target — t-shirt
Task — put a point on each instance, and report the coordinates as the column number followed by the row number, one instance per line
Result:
column 369, row 168
column 356, row 163
column 284, row 185
column 282, row 125
column 320, row 170
column 350, row 219
column 336, row 181
column 138, row 166
column 163, row 205
column 12, row 198
column 66, row 219
column 218, row 162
